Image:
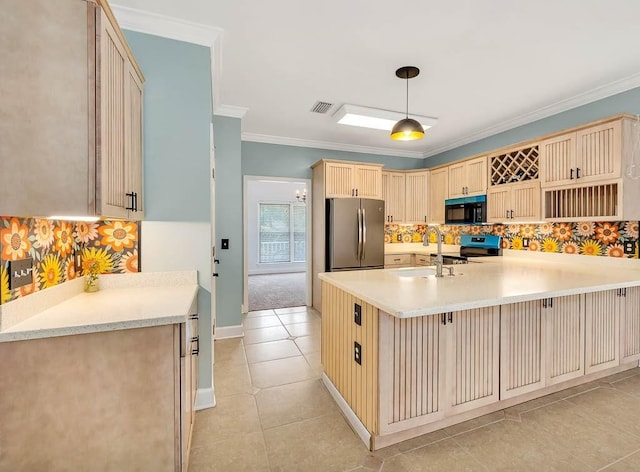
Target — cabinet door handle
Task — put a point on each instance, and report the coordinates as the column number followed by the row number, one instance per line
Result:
column 577, row 172
column 131, row 207
column 443, row 318
column 195, row 316
column 196, row 351
column 544, row 303
column 571, row 174
column 551, row 303
column 507, row 216
column 450, row 317
column 425, row 219
column 215, row 274
column 392, row 218
column 356, row 192
column 511, row 214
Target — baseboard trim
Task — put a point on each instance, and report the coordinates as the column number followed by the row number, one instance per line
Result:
column 351, row 417
column 205, row 398
column 225, row 332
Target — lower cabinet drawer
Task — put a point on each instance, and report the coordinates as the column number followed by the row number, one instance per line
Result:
column 397, row 259
column 422, row 260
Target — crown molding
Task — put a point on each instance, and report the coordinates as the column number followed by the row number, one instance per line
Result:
column 181, row 30
column 584, row 98
column 308, row 143
column 230, row 111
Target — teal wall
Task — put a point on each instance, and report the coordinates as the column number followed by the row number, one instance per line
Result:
column 625, row 102
column 230, row 283
column 275, row 160
column 177, row 117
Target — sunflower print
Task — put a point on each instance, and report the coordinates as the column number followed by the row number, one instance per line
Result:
column 550, row 245
column 631, row 229
column 562, row 231
column 590, row 247
column 14, row 240
column 43, row 232
column 101, row 256
column 64, row 239
column 585, row 229
column 615, row 250
column 50, row 271
column 5, row 293
column 570, row 248
column 607, row 233
column 51, row 244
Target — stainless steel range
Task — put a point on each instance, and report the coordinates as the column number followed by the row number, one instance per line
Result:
column 473, row 246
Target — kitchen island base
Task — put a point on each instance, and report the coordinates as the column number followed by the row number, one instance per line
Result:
column 398, row 378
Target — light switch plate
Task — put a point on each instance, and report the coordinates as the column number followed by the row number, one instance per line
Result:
column 20, row 273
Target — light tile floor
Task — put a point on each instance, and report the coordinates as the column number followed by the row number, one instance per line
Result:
column 274, row 414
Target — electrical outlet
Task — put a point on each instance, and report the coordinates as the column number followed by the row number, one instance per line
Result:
column 20, row 273
column 357, row 353
column 77, row 260
column 630, row 247
column 357, row 314
column 525, row 242
column 225, row 244
column 399, row 237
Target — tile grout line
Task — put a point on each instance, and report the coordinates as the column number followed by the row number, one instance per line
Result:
column 618, row 460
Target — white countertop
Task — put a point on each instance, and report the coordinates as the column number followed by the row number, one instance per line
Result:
column 123, row 302
column 494, row 281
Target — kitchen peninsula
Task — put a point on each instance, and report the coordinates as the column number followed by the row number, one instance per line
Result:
column 406, row 355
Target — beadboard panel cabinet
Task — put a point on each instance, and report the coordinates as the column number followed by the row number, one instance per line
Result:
column 522, row 361
column 393, row 194
column 565, row 335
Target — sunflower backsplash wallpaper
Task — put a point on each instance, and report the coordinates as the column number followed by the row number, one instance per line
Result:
column 584, row 238
column 113, row 245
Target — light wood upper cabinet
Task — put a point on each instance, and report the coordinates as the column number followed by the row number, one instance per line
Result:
column 344, row 180
column 406, row 196
column 468, row 178
column 518, row 202
column 120, row 124
column 587, row 155
column 77, row 113
column 417, row 196
column 582, row 173
column 438, row 193
column 393, row 194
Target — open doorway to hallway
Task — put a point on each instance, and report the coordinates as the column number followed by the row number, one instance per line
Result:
column 277, row 233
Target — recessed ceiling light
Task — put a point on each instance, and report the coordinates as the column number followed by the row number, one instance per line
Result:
column 375, row 118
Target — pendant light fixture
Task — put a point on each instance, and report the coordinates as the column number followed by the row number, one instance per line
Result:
column 407, row 129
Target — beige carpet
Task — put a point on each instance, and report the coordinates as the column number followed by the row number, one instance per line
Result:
column 277, row 291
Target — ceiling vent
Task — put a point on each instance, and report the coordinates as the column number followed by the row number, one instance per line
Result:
column 321, row 107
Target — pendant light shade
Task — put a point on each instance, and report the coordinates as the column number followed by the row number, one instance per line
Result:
column 407, row 129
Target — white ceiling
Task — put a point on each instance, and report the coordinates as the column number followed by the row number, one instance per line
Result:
column 485, row 66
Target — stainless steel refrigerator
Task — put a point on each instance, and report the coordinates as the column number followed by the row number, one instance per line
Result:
column 355, row 234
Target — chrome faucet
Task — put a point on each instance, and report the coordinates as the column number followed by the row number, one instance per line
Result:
column 425, row 242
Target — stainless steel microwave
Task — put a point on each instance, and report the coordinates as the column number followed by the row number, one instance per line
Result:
column 466, row 210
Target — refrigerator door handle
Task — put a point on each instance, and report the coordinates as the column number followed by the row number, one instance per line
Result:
column 359, row 234
column 364, row 233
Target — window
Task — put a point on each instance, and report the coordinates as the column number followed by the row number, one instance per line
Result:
column 282, row 233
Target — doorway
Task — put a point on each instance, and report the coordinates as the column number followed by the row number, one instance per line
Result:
column 277, row 243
